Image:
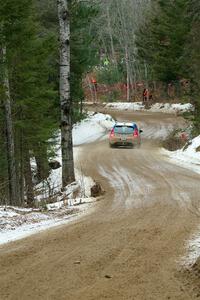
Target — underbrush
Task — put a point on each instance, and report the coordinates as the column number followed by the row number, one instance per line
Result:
column 175, row 141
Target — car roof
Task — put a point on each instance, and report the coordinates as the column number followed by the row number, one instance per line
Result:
column 128, row 124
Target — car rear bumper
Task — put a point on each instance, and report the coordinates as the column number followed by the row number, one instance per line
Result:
column 121, row 142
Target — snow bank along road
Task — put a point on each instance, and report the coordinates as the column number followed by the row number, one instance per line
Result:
column 130, row 247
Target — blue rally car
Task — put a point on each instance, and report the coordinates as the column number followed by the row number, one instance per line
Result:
column 125, row 134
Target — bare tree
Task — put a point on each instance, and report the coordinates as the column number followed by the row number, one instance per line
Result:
column 65, row 99
column 116, row 27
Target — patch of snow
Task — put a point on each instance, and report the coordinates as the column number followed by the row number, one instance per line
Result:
column 125, row 106
column 92, row 128
column 7, row 213
column 157, row 131
column 157, row 107
column 12, row 229
column 171, row 108
column 187, row 157
column 53, row 184
column 193, row 250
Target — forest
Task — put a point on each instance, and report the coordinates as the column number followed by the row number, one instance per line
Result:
column 153, row 42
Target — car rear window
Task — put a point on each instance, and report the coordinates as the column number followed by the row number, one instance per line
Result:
column 124, row 129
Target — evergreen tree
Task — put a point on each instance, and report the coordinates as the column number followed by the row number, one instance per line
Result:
column 192, row 58
column 84, row 54
column 161, row 41
column 29, row 68
column 12, row 16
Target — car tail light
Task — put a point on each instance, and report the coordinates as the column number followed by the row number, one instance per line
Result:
column 135, row 133
column 112, row 134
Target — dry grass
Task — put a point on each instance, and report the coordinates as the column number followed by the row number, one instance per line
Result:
column 173, row 142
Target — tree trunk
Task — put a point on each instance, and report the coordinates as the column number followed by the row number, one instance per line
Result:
column 28, row 178
column 111, row 37
column 65, row 100
column 12, row 174
column 21, row 167
column 40, row 153
column 127, row 75
column 146, row 75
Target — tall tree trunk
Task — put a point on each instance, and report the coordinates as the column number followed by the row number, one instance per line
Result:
column 127, row 75
column 28, row 178
column 21, row 167
column 41, row 157
column 111, row 37
column 65, row 100
column 12, row 174
column 146, row 75
column 19, row 156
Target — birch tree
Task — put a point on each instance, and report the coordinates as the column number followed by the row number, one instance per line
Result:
column 65, row 100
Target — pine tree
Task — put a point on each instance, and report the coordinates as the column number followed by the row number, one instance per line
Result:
column 84, row 51
column 31, row 88
column 11, row 15
column 161, row 41
column 192, row 59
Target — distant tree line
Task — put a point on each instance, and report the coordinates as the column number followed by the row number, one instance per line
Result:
column 151, row 41
column 169, row 43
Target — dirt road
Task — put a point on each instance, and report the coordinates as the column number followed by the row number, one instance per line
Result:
column 129, row 247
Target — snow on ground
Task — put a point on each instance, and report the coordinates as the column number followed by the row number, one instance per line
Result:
column 125, row 106
column 157, row 131
column 189, row 157
column 92, row 128
column 157, row 107
column 20, row 225
column 53, row 184
column 16, row 223
column 193, row 250
column 71, row 204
